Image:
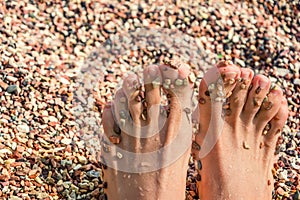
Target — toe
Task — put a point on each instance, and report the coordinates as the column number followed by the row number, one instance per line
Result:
column 258, row 90
column 127, row 112
column 239, row 95
column 111, row 138
column 269, row 107
column 133, row 97
column 275, row 127
column 152, row 78
column 277, row 122
column 217, row 84
column 177, row 83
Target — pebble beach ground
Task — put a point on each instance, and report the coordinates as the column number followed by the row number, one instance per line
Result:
column 61, row 61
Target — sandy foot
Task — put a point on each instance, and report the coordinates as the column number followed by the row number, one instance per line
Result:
column 147, row 146
column 241, row 117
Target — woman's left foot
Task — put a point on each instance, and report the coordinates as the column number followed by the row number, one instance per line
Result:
column 147, row 146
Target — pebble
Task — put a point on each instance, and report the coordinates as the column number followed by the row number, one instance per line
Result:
column 82, row 159
column 46, row 43
column 12, row 88
column 93, row 174
column 24, row 128
column 66, row 141
column 12, row 79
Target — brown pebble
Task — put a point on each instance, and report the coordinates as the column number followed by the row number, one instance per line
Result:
column 207, row 93
column 202, row 100
column 256, row 101
column 257, row 91
column 245, row 145
column 196, row 146
column 115, row 139
column 261, row 145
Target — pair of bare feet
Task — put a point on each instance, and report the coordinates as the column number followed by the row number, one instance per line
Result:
column 147, row 146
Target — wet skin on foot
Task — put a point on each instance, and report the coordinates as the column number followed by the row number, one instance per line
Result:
column 237, row 149
column 132, row 123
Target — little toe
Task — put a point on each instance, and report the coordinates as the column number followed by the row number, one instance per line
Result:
column 270, row 106
column 277, row 122
column 258, row 90
column 274, row 129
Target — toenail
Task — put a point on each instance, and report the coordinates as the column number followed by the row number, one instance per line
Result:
column 257, row 91
column 202, row 100
column 256, row 102
column 122, row 99
column 263, row 83
column 115, row 139
column 230, row 75
column 196, row 146
column 267, row 105
column 116, row 129
column 152, row 71
column 119, row 155
column 245, row 145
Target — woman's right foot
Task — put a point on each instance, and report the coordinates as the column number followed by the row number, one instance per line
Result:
column 241, row 117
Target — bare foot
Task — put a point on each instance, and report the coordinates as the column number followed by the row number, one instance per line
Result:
column 147, row 146
column 237, row 149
